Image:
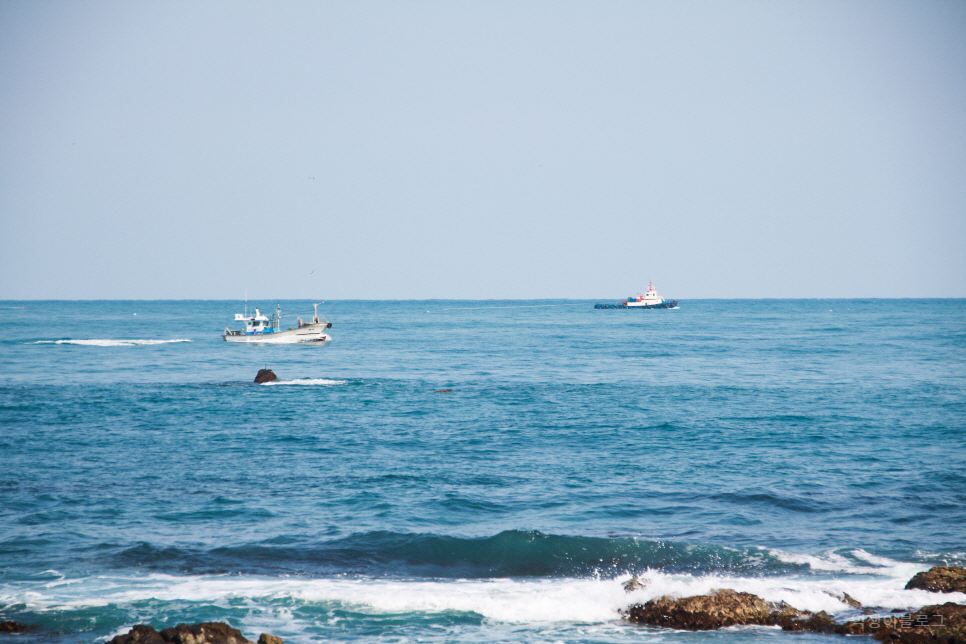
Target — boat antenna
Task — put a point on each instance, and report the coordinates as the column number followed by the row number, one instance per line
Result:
column 246, row 302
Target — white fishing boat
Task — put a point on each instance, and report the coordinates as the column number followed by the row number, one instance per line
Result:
column 260, row 328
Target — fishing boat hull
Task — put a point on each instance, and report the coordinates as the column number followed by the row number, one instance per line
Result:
column 309, row 333
column 671, row 304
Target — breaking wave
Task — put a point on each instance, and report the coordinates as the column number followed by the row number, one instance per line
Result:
column 588, row 600
column 509, row 554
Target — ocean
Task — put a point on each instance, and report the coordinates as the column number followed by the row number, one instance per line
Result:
column 796, row 449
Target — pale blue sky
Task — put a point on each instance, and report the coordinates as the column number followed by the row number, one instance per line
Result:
column 467, row 149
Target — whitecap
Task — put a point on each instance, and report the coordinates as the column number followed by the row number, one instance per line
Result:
column 307, row 381
column 112, row 343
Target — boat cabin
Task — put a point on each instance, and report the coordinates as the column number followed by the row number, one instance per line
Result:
column 648, row 299
column 258, row 323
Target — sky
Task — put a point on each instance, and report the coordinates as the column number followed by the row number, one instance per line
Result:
column 482, row 150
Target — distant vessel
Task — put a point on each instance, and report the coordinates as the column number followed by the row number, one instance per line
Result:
column 259, row 328
column 650, row 300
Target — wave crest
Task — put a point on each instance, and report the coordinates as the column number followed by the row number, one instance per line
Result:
column 307, row 381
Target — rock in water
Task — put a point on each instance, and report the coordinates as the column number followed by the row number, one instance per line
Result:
column 634, row 583
column 265, row 375
column 938, row 624
column 727, row 607
column 204, row 633
column 703, row 612
column 845, row 598
column 265, row 638
column 140, row 634
column 12, row 627
column 940, row 579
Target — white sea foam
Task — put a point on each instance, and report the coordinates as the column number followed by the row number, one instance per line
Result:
column 307, row 381
column 112, row 343
column 861, row 563
column 573, row 601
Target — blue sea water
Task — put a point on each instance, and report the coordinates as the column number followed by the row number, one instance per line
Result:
column 796, row 449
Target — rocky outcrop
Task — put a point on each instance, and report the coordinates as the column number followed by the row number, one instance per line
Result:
column 703, row 612
column 204, row 633
column 265, row 638
column 722, row 608
column 12, row 627
column 940, row 579
column 265, row 375
column 937, row 624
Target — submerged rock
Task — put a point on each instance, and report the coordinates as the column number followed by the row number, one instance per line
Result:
column 204, row 633
column 940, row 579
column 265, row 375
column 12, row 627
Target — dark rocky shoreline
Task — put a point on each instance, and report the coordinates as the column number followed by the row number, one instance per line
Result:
column 933, row 624
column 204, row 633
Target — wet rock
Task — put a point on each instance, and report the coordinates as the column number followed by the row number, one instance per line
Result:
column 727, row 607
column 940, row 579
column 937, row 624
column 845, row 598
column 634, row 583
column 703, row 612
column 13, row 627
column 783, row 612
column 265, row 638
column 265, row 375
column 851, row 601
column 140, row 634
column 820, row 622
column 204, row 633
